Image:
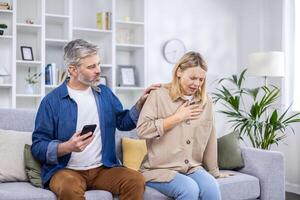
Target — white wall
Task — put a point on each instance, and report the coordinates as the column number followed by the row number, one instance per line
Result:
column 224, row 32
column 205, row 26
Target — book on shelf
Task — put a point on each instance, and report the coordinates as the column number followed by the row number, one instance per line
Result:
column 103, row 20
column 54, row 75
column 51, row 74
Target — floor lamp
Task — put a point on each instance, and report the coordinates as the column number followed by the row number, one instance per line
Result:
column 266, row 64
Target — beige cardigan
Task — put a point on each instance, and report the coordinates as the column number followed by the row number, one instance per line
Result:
column 187, row 147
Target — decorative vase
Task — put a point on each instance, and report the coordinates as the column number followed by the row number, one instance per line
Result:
column 30, row 88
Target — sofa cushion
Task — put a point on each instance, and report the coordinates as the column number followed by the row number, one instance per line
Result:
column 12, row 144
column 32, row 167
column 239, row 186
column 25, row 191
column 134, row 151
column 229, row 152
column 17, row 119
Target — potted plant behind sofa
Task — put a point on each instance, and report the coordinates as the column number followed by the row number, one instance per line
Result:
column 260, row 120
column 2, row 27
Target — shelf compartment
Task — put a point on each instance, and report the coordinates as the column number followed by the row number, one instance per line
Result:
column 57, row 7
column 90, row 9
column 30, row 39
column 131, row 58
column 130, row 10
column 129, row 33
column 29, row 9
column 57, row 26
column 21, row 83
column 8, row 20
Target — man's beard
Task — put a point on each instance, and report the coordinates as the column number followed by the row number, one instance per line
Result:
column 86, row 81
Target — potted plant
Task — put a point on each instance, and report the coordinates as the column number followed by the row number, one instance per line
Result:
column 258, row 119
column 2, row 27
column 31, row 80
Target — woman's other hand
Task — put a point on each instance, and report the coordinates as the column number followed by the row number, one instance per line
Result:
column 226, row 174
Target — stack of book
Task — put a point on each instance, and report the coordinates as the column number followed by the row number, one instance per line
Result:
column 4, row 6
column 104, row 20
column 54, row 75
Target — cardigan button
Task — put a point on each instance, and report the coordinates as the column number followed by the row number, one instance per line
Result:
column 186, row 161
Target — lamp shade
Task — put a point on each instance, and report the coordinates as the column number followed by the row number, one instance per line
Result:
column 269, row 64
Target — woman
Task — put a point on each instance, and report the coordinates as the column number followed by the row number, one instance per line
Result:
column 177, row 123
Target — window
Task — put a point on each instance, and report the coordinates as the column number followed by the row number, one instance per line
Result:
column 296, row 56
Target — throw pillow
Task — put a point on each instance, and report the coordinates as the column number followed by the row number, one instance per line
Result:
column 229, row 152
column 134, row 151
column 11, row 153
column 32, row 167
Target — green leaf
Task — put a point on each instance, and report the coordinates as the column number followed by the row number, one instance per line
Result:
column 273, row 118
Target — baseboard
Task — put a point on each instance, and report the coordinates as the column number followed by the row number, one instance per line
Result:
column 293, row 188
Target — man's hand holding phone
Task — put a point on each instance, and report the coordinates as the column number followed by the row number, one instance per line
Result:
column 78, row 142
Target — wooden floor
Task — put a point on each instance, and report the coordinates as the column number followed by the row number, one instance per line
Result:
column 292, row 196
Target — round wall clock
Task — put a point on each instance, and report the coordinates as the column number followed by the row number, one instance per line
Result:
column 173, row 50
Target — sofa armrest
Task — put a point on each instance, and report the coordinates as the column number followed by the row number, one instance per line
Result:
column 268, row 167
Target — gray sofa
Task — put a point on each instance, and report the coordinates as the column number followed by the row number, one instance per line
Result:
column 261, row 178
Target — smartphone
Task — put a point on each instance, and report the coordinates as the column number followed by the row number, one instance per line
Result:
column 88, row 128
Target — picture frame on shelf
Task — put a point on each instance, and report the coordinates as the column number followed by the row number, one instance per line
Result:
column 27, row 53
column 127, row 75
column 103, row 80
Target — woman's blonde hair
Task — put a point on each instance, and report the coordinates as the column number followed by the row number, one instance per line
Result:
column 188, row 60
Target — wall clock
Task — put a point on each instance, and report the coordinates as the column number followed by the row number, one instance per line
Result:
column 173, row 50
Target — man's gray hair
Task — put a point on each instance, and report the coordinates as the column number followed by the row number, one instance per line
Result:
column 78, row 49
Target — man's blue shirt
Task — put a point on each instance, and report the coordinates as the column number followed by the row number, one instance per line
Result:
column 56, row 122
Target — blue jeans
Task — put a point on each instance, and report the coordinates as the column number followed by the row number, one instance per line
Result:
column 198, row 185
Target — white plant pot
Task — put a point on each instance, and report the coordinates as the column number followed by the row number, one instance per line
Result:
column 30, row 88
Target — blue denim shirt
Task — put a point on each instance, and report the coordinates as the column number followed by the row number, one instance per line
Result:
column 56, row 122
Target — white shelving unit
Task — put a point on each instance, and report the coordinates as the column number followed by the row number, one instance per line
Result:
column 56, row 22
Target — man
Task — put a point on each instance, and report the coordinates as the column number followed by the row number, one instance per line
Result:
column 73, row 163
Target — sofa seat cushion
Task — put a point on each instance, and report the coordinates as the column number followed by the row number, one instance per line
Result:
column 151, row 194
column 239, row 186
column 25, row 191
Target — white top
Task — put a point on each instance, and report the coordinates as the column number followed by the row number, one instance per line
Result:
column 189, row 98
column 90, row 157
